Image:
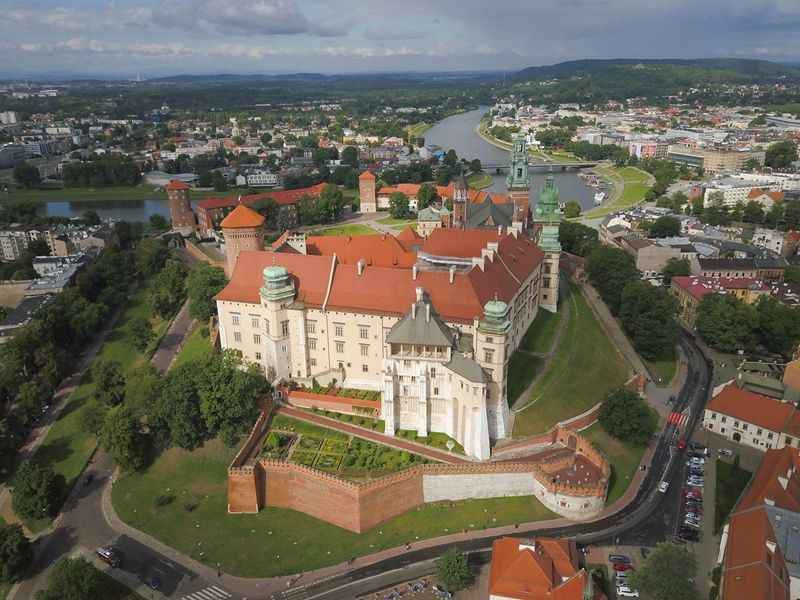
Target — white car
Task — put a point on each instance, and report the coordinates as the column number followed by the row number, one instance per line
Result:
column 626, row 592
column 663, row 487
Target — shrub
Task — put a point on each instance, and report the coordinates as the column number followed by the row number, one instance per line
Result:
column 163, row 500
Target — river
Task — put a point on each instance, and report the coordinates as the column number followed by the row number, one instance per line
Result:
column 457, row 132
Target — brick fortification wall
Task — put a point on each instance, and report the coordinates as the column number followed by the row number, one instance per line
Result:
column 202, row 256
column 245, row 481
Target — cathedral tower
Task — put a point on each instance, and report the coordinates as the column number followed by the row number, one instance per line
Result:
column 180, row 208
column 546, row 219
column 242, row 232
column 460, row 203
column 518, row 181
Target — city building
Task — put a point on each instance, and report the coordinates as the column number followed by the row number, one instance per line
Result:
column 11, row 155
column 766, row 268
column 690, row 290
column 435, row 338
column 8, row 117
column 541, row 569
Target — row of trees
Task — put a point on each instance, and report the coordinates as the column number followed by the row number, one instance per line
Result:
column 104, row 170
column 728, row 324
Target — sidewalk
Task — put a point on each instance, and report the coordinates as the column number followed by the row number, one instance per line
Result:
column 172, row 341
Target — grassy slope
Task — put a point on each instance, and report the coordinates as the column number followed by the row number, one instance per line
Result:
column 278, row 541
column 585, row 367
column 67, row 447
column 346, row 230
column 542, row 332
column 636, row 186
column 624, row 459
column 196, row 346
column 479, row 181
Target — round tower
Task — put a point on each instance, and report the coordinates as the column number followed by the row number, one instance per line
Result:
column 242, row 232
column 180, row 207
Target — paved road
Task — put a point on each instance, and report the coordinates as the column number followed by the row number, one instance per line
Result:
column 171, row 343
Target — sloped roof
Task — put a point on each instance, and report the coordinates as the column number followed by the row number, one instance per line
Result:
column 380, row 250
column 421, row 325
column 466, row 367
column 367, row 175
column 282, row 197
column 242, row 217
column 176, row 184
column 750, row 407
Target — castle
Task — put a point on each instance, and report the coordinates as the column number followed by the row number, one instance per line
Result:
column 431, row 322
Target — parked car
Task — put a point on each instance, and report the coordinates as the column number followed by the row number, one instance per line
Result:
column 698, row 449
column 627, row 592
column 689, row 493
column 110, row 555
column 663, row 487
column 725, row 452
column 619, row 558
column 623, row 567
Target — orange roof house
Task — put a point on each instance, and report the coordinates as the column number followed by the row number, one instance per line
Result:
column 544, row 569
column 176, row 184
column 756, row 193
column 242, row 217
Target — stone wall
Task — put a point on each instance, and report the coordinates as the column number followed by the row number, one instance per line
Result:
column 192, row 248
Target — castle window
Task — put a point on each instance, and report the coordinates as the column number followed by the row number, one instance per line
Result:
column 254, row 322
column 488, row 355
column 436, row 391
column 489, row 340
column 266, row 326
column 340, row 347
column 433, row 371
column 406, row 363
column 339, row 329
column 256, row 338
column 363, row 332
column 258, row 355
column 312, row 343
column 284, row 328
column 311, row 326
column 234, row 318
column 365, row 368
column 237, row 336
column 364, row 349
column 312, row 362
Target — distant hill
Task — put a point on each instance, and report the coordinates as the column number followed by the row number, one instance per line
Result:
column 736, row 68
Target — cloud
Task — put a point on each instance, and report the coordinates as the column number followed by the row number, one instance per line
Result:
column 93, row 46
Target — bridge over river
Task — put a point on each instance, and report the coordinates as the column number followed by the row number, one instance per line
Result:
column 552, row 167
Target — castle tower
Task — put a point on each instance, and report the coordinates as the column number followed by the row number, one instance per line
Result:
column 276, row 294
column 242, row 231
column 366, row 192
column 518, row 181
column 180, row 207
column 490, row 352
column 460, row 203
column 546, row 219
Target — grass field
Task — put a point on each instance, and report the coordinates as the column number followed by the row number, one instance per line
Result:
column 623, row 458
column 478, row 181
column 417, row 129
column 346, row 230
column 67, row 447
column 196, row 346
column 542, row 332
column 400, row 228
column 139, row 192
column 522, row 370
column 636, row 186
column 663, row 369
column 584, row 368
column 278, row 541
column 731, row 481
column 392, row 221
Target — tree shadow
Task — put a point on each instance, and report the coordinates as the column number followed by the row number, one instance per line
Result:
column 51, row 547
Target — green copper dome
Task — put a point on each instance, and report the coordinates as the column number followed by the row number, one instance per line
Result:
column 277, row 284
column 495, row 321
column 275, row 274
column 495, row 309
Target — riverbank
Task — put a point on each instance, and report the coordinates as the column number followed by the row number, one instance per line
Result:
column 137, row 193
column 630, row 187
column 417, row 129
column 554, row 157
column 479, row 181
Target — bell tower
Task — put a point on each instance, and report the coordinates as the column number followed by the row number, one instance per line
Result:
column 460, row 203
column 546, row 219
column 518, row 180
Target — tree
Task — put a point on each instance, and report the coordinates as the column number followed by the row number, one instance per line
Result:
column 93, row 416
column 203, row 283
column 577, row 238
column 572, row 209
column 27, row 175
column 778, row 326
column 74, row 579
column 151, row 254
column 609, row 270
column 674, row 268
column 330, row 204
column 753, row 213
column 91, row 218
column 625, row 416
column 451, row 158
column 426, row 195
column 668, row 573
column 665, row 226
column 792, row 274
column 781, row 154
column 169, row 289
column 475, row 165
column 266, row 138
column 726, row 323
column 141, row 332
column 16, row 553
column 349, row 156
column 38, row 248
column 228, row 394
column 109, row 382
column 751, row 164
column 453, row 571
column 123, row 439
column 648, row 316
column 218, row 181
column 158, row 222
column 398, row 205
column 179, row 406
column 791, row 215
column 37, row 490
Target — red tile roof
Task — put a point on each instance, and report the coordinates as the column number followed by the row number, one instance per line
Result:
column 757, row 192
column 766, row 484
column 242, row 217
column 546, row 569
column 176, row 184
column 366, row 175
column 698, row 287
column 457, row 242
column 282, row 197
column 750, row 407
column 376, row 250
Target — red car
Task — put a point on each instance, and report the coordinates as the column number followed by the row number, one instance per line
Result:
column 622, row 567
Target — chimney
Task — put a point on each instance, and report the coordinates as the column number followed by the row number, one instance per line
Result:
column 414, row 310
column 414, row 272
column 499, row 230
column 360, row 266
column 427, row 312
column 452, row 274
column 479, row 260
column 420, row 293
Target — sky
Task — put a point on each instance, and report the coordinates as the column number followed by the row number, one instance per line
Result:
column 126, row 38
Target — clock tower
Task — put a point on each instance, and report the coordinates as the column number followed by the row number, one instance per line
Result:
column 546, row 220
column 518, row 181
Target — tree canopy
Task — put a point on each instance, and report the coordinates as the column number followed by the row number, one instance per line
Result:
column 610, row 270
column 726, row 323
column 625, row 416
column 675, row 267
column 577, row 238
column 648, row 317
column 37, row 490
column 453, row 571
column 668, row 573
column 665, row 226
column 73, row 579
column 781, row 154
column 16, row 553
column 398, row 205
column 203, row 283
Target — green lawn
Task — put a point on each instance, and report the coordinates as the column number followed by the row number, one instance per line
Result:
column 663, row 369
column 623, row 458
column 542, row 332
column 393, row 221
column 417, row 129
column 414, row 225
column 731, row 481
column 585, row 367
column 139, row 192
column 346, row 230
column 636, row 186
column 278, row 541
column 196, row 346
column 478, row 181
column 522, row 370
column 67, row 447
